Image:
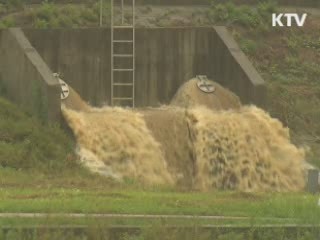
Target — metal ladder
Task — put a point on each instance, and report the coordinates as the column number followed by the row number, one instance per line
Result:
column 116, row 81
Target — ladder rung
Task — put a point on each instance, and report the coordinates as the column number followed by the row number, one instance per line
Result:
column 123, row 84
column 119, row 98
column 122, row 41
column 122, row 70
column 123, row 26
column 122, row 55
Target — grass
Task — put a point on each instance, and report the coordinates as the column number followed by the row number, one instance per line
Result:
column 133, row 200
column 39, row 172
column 45, row 152
column 50, row 15
column 255, row 18
column 222, row 234
column 12, row 5
column 287, row 59
column 26, row 144
column 289, row 62
column 262, row 209
column 3, row 9
column 163, row 232
column 7, row 22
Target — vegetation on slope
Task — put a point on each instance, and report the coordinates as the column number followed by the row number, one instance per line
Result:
column 50, row 15
column 39, row 156
column 26, row 144
column 288, row 59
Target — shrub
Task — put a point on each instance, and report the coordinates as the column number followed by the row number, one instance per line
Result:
column 3, row 9
column 7, row 22
column 27, row 144
column 50, row 15
column 12, row 5
column 247, row 16
column 40, row 23
column 248, row 46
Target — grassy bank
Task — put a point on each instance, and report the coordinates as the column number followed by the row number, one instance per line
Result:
column 39, row 172
column 27, row 144
column 50, row 15
column 132, row 200
column 36, row 155
column 288, row 60
column 163, row 232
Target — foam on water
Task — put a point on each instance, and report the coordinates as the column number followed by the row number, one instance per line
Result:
column 244, row 150
column 196, row 146
column 117, row 142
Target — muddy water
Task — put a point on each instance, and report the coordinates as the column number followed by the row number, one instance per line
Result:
column 204, row 145
column 245, row 150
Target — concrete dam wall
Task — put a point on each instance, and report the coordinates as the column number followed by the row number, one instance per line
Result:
column 26, row 77
column 165, row 59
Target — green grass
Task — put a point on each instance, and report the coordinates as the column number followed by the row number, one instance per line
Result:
column 289, row 63
column 26, row 144
column 161, row 231
column 287, row 59
column 256, row 17
column 13, row 5
column 223, row 234
column 300, row 207
column 3, row 9
column 50, row 220
column 39, row 172
column 50, row 15
column 7, row 22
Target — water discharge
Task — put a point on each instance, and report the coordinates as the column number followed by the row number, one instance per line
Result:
column 117, row 143
column 200, row 141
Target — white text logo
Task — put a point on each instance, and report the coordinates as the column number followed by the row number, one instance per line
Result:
column 288, row 19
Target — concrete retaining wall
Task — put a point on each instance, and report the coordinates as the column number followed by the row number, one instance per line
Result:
column 233, row 69
column 165, row 58
column 27, row 78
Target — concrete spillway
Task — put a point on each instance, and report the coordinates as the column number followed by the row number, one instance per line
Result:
column 195, row 141
column 200, row 141
column 165, row 59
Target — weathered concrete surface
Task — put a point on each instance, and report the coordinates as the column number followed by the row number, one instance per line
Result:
column 82, row 56
column 165, row 58
column 28, row 80
column 233, row 70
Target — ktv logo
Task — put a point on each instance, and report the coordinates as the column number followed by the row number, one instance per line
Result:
column 288, row 19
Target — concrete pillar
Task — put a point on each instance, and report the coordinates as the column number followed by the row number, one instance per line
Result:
column 313, row 181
